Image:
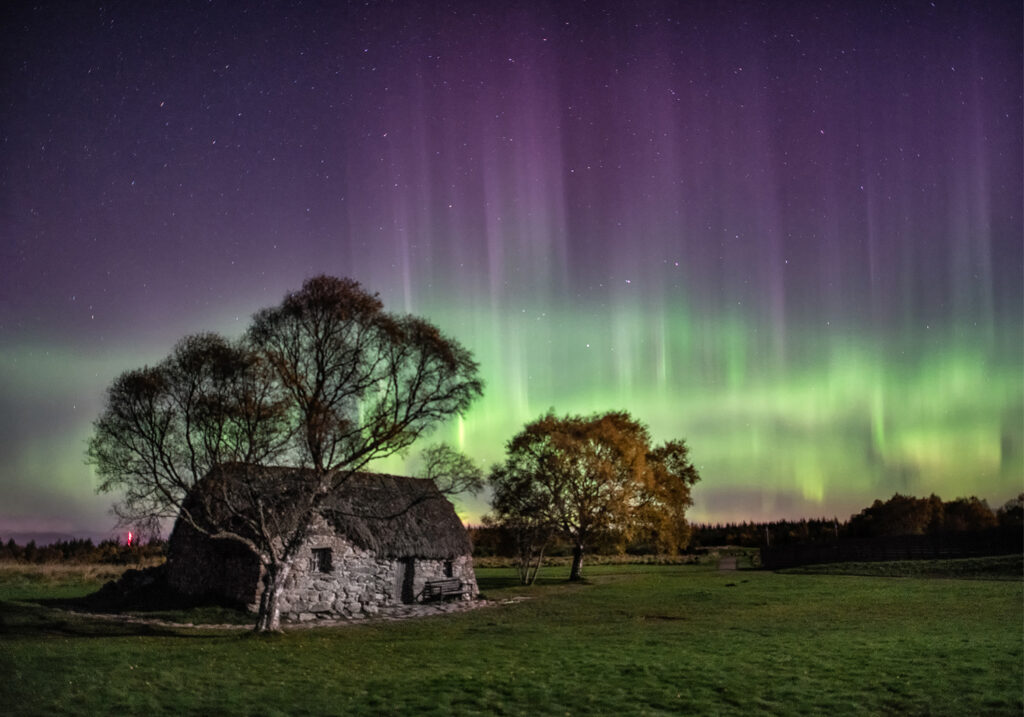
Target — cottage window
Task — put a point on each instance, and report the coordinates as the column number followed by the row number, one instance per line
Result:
column 448, row 568
column 321, row 560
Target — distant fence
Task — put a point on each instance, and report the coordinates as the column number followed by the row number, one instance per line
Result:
column 999, row 541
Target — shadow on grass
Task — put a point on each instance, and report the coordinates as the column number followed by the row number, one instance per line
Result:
column 156, row 602
column 1000, row 567
column 31, row 620
column 134, row 604
column 511, row 581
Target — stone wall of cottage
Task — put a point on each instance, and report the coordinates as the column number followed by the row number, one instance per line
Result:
column 359, row 582
column 462, row 568
column 218, row 569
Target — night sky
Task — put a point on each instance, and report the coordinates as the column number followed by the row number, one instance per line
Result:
column 787, row 232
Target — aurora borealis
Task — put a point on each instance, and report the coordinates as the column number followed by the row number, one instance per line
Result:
column 789, row 233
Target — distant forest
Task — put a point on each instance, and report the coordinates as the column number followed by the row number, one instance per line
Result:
column 900, row 515
column 82, row 551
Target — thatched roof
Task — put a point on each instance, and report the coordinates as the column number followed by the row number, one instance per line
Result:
column 397, row 517
column 393, row 516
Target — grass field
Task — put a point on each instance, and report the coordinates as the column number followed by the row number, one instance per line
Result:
column 634, row 639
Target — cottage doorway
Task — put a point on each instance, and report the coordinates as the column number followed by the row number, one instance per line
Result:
column 408, row 589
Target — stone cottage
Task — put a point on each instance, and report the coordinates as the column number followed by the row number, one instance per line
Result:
column 379, row 541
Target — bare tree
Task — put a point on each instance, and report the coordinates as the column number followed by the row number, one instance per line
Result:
column 325, row 382
column 165, row 427
column 451, row 471
column 522, row 508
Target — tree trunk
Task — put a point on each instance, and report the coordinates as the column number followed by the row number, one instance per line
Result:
column 268, row 619
column 577, row 563
column 532, row 577
column 523, row 568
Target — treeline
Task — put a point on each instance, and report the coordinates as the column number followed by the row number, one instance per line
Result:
column 900, row 515
column 81, row 551
column 753, row 535
column 907, row 515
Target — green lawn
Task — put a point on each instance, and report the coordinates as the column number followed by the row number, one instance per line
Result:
column 633, row 640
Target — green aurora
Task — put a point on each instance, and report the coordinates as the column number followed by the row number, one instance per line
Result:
column 824, row 429
column 791, row 238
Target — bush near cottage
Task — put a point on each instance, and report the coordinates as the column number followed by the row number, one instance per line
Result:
column 630, row 639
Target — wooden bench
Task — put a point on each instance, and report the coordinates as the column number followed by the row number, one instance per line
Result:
column 441, row 589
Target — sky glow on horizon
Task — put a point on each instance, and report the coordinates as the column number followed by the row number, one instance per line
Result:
column 790, row 235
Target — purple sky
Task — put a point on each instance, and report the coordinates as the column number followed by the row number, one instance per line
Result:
column 788, row 232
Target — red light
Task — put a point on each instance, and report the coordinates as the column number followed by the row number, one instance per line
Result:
column 129, row 538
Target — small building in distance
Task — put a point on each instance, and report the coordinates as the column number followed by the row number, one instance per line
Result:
column 374, row 543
